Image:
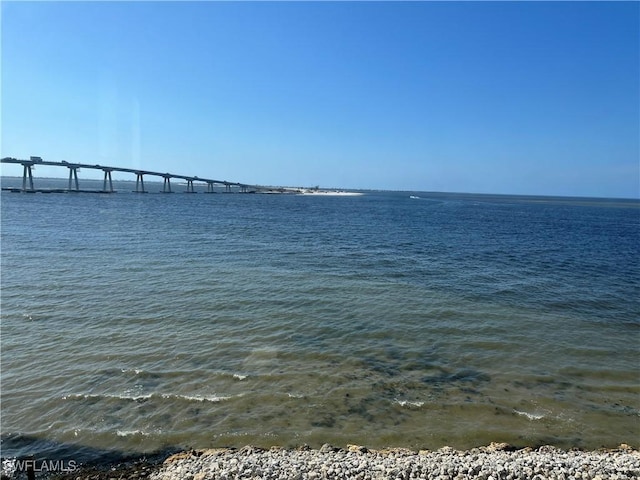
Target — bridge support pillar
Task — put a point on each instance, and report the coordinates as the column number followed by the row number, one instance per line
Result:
column 190, row 186
column 209, row 187
column 107, row 174
column 73, row 175
column 139, row 183
column 166, row 188
column 26, row 172
column 227, row 187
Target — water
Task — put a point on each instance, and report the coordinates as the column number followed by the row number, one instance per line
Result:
column 138, row 323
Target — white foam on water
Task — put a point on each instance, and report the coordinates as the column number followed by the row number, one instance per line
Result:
column 168, row 396
column 130, row 433
column 407, row 403
column 530, row 416
column 136, row 371
column 87, row 396
column 197, row 398
column 239, row 377
column 127, row 397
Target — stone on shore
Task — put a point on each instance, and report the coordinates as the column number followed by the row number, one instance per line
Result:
column 498, row 461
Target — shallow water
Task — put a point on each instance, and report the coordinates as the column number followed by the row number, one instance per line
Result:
column 141, row 322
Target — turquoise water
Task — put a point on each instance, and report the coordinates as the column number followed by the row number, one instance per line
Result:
column 134, row 323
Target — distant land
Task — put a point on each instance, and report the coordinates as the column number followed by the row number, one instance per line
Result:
column 338, row 191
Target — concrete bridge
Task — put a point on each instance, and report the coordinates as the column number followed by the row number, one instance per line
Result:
column 74, row 186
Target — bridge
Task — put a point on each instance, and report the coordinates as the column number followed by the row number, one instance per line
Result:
column 74, row 186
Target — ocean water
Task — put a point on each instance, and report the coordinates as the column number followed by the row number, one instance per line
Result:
column 139, row 323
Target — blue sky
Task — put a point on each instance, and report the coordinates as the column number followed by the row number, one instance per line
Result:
column 489, row 97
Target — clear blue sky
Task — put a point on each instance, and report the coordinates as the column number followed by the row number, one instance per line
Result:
column 495, row 97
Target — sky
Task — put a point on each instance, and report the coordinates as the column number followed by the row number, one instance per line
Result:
column 539, row 98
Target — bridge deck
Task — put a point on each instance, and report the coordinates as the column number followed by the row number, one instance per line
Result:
column 74, row 167
column 106, row 168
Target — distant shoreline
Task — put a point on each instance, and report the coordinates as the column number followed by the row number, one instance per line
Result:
column 571, row 199
column 335, row 193
column 269, row 190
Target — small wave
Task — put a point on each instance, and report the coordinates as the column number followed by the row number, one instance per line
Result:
column 239, row 377
column 530, row 416
column 135, row 371
column 92, row 396
column 295, row 395
column 414, row 196
column 407, row 403
column 137, row 398
column 196, row 398
column 131, row 433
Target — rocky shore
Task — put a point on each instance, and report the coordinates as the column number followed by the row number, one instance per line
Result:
column 495, row 462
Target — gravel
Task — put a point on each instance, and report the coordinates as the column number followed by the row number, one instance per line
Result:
column 495, row 462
